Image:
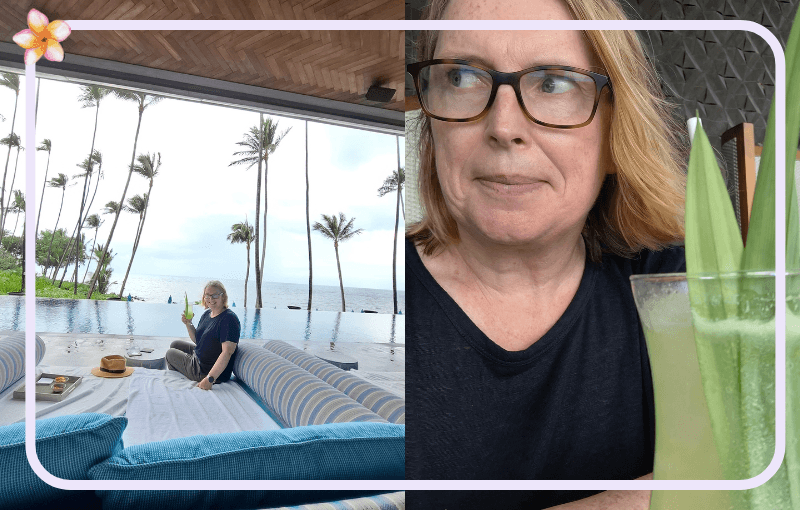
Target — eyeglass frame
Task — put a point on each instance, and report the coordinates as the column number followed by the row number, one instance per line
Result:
column 215, row 295
column 513, row 79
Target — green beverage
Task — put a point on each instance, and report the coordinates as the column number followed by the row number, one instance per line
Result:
column 713, row 372
column 685, row 448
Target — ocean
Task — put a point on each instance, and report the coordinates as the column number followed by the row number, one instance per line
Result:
column 158, row 289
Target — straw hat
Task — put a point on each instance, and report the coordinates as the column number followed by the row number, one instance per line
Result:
column 112, row 366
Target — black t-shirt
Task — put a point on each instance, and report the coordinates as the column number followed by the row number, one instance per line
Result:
column 577, row 404
column 210, row 333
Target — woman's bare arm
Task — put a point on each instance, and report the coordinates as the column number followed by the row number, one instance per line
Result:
column 618, row 500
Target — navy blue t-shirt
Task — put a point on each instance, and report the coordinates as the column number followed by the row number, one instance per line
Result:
column 210, row 333
column 575, row 405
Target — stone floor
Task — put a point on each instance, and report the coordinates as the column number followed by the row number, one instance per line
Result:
column 382, row 364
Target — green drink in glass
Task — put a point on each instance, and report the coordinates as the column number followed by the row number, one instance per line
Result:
column 713, row 369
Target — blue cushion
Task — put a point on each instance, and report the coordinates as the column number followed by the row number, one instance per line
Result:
column 67, row 447
column 343, row 451
column 379, row 401
column 296, row 396
column 12, row 356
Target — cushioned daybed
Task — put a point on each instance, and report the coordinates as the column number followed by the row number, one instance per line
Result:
column 333, row 425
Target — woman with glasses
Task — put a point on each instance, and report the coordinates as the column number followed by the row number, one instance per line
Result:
column 550, row 171
column 208, row 358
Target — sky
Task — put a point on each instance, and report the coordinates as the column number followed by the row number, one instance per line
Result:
column 197, row 196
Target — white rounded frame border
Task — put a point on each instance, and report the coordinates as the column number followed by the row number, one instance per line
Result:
column 400, row 485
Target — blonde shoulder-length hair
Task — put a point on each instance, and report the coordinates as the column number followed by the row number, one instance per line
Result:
column 641, row 202
column 217, row 284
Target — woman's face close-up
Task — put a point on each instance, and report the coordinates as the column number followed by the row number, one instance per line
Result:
column 506, row 179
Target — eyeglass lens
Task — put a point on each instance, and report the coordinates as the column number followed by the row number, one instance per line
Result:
column 553, row 96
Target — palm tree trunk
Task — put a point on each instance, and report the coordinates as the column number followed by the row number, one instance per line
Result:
column 138, row 237
column 73, row 245
column 47, row 169
column 91, row 252
column 96, row 184
column 396, row 225
column 133, row 254
column 54, row 229
column 83, row 196
column 64, row 256
column 5, row 172
column 264, row 241
column 16, row 223
column 258, row 210
column 11, row 189
column 23, row 259
column 247, row 274
column 339, row 267
column 308, row 230
column 116, row 217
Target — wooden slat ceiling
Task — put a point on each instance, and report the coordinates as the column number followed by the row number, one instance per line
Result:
column 337, row 65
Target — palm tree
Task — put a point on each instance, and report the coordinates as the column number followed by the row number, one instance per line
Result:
column 148, row 167
column 46, row 145
column 394, row 183
column 17, row 207
column 143, row 101
column 339, row 230
column 12, row 140
column 86, row 165
column 92, row 221
column 308, row 231
column 243, row 233
column 260, row 141
column 102, row 275
column 59, row 181
column 137, row 204
column 91, row 97
column 10, row 81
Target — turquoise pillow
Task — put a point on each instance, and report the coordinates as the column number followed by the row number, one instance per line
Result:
column 342, row 451
column 67, row 447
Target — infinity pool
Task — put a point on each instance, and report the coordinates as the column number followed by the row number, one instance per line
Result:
column 146, row 319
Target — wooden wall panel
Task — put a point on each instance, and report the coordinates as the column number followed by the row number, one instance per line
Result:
column 326, row 64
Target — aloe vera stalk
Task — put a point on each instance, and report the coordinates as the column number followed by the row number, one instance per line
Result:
column 188, row 312
column 713, row 240
column 760, row 250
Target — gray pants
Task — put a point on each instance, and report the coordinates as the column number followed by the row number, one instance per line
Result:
column 181, row 357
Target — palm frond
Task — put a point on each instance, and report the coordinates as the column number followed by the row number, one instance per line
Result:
column 111, row 207
column 10, row 80
column 60, row 181
column 46, row 145
column 92, row 95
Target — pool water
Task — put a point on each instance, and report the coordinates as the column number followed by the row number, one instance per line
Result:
column 147, row 319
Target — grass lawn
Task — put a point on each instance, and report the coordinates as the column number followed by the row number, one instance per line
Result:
column 11, row 281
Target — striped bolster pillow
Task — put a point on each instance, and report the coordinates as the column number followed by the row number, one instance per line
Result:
column 379, row 401
column 298, row 397
column 12, row 356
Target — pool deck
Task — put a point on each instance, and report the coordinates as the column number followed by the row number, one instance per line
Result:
column 383, row 364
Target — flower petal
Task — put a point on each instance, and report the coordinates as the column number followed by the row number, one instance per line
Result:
column 59, row 30
column 33, row 54
column 54, row 51
column 26, row 39
column 37, row 21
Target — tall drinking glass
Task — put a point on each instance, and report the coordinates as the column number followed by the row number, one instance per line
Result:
column 713, row 366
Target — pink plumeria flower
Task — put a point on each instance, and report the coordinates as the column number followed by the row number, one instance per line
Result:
column 42, row 38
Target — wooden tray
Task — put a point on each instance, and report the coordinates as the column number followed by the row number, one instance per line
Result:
column 45, row 392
